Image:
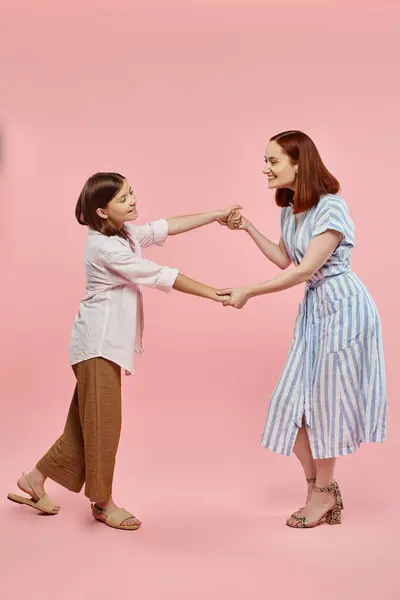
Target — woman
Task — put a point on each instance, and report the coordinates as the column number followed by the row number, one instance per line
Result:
column 106, row 332
column 331, row 395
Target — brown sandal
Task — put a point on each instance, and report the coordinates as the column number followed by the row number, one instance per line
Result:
column 43, row 504
column 114, row 518
column 333, row 516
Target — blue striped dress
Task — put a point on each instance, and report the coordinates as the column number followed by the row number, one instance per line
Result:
column 334, row 378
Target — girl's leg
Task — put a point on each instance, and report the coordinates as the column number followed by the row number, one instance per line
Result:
column 99, row 393
column 65, row 460
column 302, row 451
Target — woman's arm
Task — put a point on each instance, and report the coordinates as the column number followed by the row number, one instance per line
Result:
column 188, row 222
column 318, row 251
column 276, row 253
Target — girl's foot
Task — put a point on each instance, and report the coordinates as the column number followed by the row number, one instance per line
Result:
column 32, row 483
column 110, row 506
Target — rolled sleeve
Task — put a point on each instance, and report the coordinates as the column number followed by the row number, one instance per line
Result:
column 140, row 271
column 154, row 232
column 333, row 214
column 167, row 279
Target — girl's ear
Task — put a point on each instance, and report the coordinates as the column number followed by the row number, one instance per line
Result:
column 102, row 213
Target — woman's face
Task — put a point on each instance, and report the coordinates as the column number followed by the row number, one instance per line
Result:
column 122, row 208
column 279, row 169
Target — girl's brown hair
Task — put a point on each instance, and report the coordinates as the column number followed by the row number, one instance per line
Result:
column 97, row 192
column 313, row 178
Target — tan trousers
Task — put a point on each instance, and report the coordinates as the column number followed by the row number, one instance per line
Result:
column 86, row 450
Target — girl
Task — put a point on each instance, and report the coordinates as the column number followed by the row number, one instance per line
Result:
column 106, row 332
column 331, row 395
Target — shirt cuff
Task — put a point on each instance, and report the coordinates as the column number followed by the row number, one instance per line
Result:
column 160, row 231
column 167, row 279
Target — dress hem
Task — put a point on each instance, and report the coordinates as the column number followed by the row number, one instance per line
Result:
column 342, row 452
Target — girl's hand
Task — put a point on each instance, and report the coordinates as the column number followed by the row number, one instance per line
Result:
column 236, row 297
column 222, row 215
column 235, row 220
column 221, row 299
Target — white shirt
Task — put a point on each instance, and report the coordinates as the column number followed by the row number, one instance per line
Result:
column 109, row 323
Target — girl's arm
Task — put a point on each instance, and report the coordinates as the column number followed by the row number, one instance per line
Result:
column 190, row 286
column 125, row 266
column 188, row 222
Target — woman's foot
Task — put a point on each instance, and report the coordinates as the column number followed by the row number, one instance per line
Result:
column 110, row 506
column 32, row 483
column 321, row 502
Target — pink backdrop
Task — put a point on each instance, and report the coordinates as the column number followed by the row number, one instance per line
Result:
column 181, row 97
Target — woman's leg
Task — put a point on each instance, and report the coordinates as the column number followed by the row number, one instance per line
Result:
column 320, row 501
column 325, row 471
column 302, row 451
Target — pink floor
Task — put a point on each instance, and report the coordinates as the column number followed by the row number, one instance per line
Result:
column 181, row 96
column 213, row 505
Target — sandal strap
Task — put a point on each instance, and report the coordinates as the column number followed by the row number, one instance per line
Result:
column 311, row 479
column 118, row 516
column 114, row 518
column 45, row 504
column 331, row 488
column 34, row 495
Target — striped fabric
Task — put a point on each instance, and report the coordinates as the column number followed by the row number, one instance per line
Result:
column 334, row 377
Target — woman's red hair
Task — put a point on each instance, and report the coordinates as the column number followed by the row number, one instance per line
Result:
column 313, row 178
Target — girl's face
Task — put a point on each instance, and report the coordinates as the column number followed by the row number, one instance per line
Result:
column 122, row 208
column 280, row 170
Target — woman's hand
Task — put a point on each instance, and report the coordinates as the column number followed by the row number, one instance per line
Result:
column 223, row 215
column 235, row 220
column 236, row 297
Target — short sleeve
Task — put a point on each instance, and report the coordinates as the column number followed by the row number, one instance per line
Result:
column 140, row 271
column 154, row 232
column 332, row 213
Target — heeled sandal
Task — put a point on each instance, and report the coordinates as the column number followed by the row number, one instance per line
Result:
column 333, row 516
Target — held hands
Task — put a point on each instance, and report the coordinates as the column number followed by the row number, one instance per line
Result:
column 236, row 297
column 232, row 218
